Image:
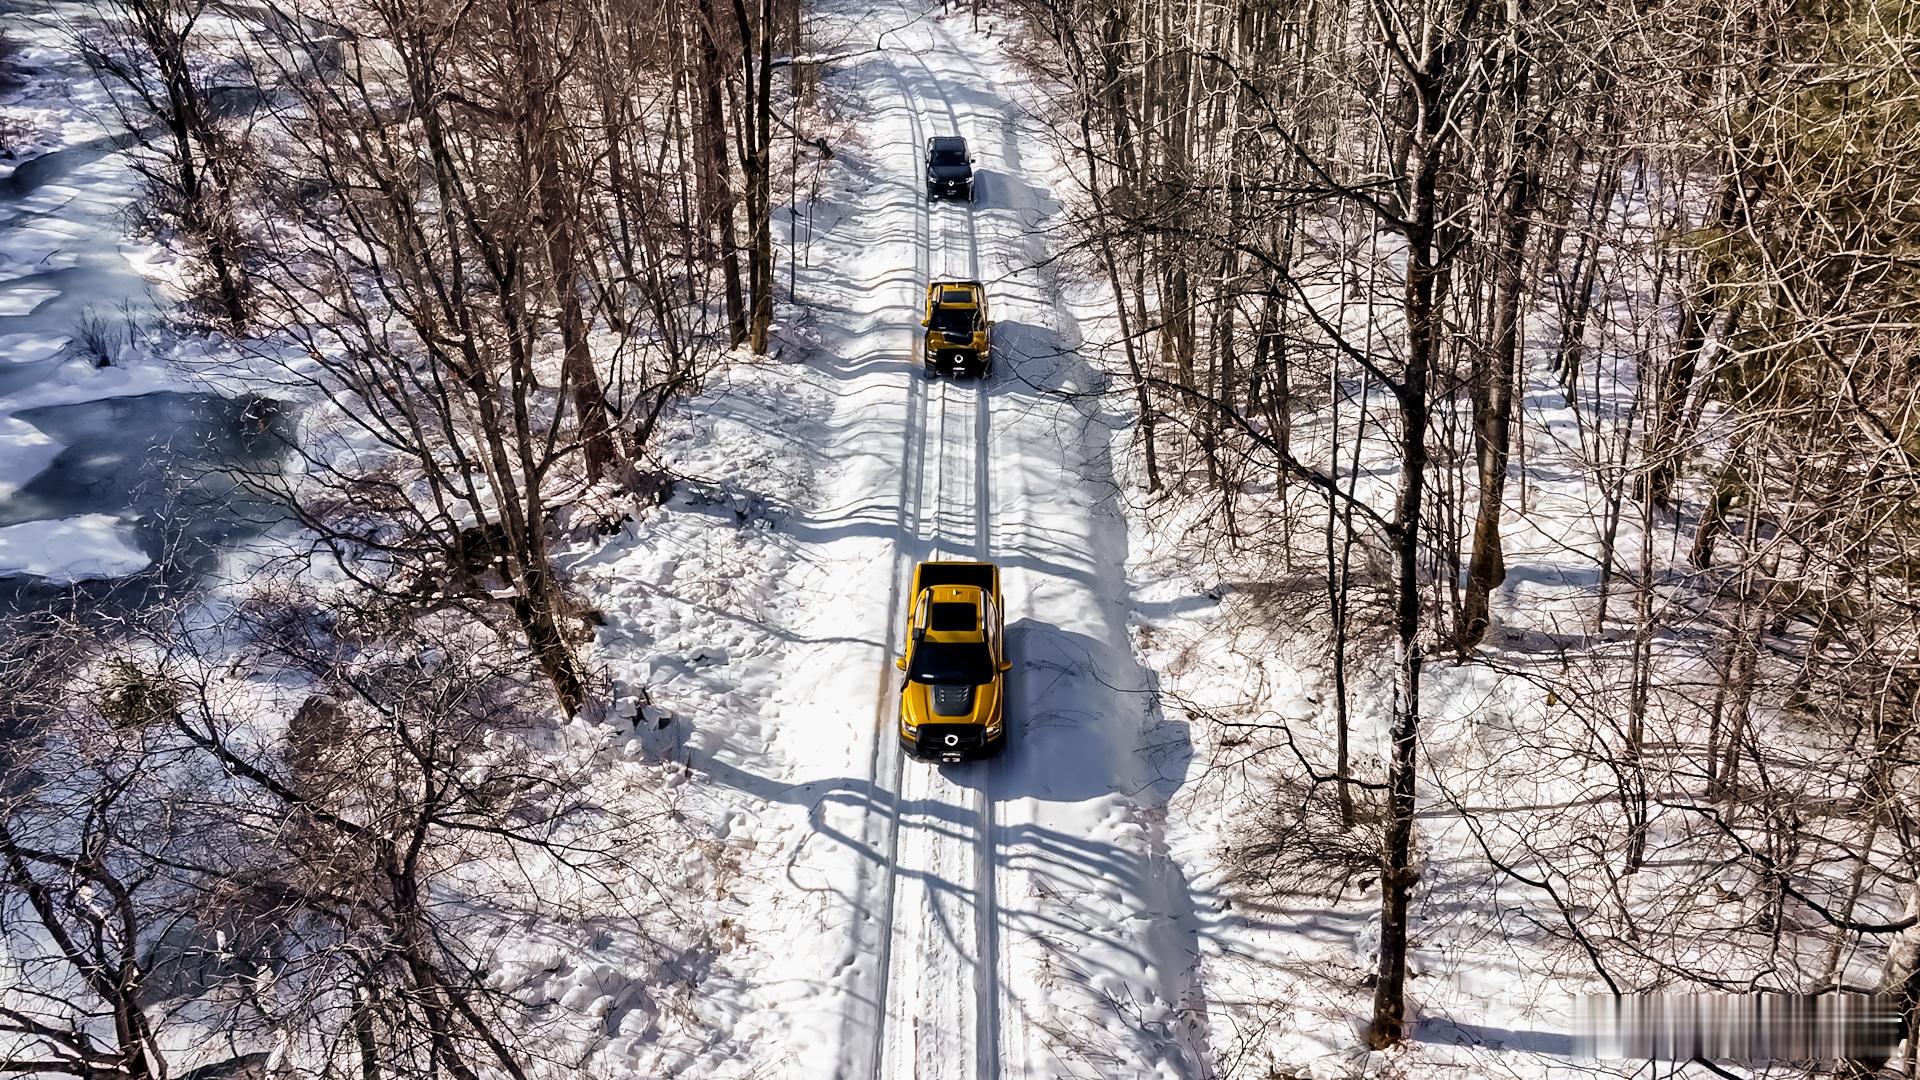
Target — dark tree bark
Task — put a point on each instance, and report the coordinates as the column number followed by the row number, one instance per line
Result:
column 194, row 167
column 755, row 139
column 717, row 169
column 559, row 210
column 1427, row 74
column 1493, row 419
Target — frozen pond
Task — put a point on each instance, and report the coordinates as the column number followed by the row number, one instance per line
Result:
column 150, row 481
column 110, row 496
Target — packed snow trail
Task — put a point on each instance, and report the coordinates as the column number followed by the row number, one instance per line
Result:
column 1013, row 918
column 937, row 966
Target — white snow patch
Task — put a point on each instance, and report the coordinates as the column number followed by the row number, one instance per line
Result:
column 24, row 451
column 30, row 348
column 66, row 550
column 24, row 301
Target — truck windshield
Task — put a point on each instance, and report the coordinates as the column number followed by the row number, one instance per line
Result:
column 949, row 663
column 953, row 320
column 949, row 155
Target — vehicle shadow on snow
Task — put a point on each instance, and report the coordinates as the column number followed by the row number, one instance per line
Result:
column 1072, row 705
column 1039, row 376
column 999, row 195
column 1085, row 717
column 1083, row 721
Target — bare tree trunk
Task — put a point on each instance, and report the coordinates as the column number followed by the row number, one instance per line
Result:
column 201, row 180
column 714, row 142
column 557, row 215
column 756, row 161
column 1423, row 328
column 1487, row 567
column 1142, row 400
column 1696, row 315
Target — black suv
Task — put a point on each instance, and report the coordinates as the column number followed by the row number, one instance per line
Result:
column 949, row 168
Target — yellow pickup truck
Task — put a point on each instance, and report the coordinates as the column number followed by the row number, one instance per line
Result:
column 958, row 337
column 952, row 703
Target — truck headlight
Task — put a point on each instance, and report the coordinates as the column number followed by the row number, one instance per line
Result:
column 912, row 729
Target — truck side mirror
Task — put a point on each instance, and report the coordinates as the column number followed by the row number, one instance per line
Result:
column 1005, row 665
column 926, row 322
column 901, row 663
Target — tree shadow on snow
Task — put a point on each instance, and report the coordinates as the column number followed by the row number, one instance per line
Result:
column 1449, row 1032
column 1082, row 725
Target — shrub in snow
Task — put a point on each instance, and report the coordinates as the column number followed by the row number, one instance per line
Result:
column 133, row 697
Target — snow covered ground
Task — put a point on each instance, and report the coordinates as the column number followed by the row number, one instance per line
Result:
column 890, row 918
column 836, row 910
column 1519, row 821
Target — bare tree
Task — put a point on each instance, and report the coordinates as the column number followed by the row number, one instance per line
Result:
column 153, row 56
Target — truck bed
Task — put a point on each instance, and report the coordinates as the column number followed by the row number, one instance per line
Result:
column 980, row 575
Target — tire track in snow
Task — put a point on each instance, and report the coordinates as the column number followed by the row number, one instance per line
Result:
column 885, row 766
column 1154, row 1019
column 987, row 987
column 930, row 996
column 929, row 1025
column 998, row 1005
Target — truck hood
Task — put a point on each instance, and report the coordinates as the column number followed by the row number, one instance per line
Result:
column 921, row 703
column 949, row 172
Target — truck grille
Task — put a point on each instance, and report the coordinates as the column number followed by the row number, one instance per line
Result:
column 940, row 739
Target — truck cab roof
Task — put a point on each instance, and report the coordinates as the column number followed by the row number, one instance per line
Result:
column 951, row 704
column 956, row 294
column 947, row 144
column 954, row 613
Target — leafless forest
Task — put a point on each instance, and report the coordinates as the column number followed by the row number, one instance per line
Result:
column 1389, row 280
column 1350, row 241
column 487, row 245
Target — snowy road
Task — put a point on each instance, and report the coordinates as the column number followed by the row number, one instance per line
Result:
column 936, row 964
column 1017, row 918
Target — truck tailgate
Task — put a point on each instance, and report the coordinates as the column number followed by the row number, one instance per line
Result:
column 980, row 575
